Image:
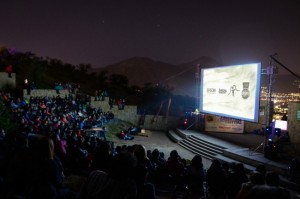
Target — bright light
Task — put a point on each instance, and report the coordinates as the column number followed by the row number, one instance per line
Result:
column 281, row 124
column 231, row 91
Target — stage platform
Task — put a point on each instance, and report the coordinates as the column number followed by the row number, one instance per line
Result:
column 244, row 148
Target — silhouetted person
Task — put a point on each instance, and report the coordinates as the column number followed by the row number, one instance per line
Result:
column 216, row 179
column 117, row 183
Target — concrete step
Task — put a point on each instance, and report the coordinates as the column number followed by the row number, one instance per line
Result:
column 181, row 134
column 207, row 144
column 195, row 150
column 195, row 145
column 201, row 147
column 174, row 136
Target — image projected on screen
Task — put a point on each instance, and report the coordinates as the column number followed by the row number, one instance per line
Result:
column 231, row 91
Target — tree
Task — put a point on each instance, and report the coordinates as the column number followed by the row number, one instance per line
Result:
column 84, row 68
column 38, row 70
column 152, row 97
column 6, row 121
column 118, row 80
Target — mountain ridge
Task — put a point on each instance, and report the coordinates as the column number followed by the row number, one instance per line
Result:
column 181, row 78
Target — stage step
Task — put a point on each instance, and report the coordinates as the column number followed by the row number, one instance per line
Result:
column 205, row 148
column 174, row 136
column 198, row 146
column 226, row 152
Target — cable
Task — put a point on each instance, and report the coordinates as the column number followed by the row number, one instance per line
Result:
column 286, row 68
column 173, row 76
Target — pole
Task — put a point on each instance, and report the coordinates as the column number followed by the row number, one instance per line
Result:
column 197, row 102
column 271, row 72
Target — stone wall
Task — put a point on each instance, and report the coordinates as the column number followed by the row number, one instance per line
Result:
column 161, row 123
column 294, row 125
column 128, row 114
column 250, row 127
column 4, row 79
column 45, row 92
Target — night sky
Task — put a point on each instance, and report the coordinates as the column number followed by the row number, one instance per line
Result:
column 102, row 32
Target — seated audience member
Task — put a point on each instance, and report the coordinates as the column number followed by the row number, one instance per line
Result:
column 156, row 159
column 195, row 176
column 143, row 170
column 236, row 179
column 103, row 133
column 146, row 189
column 48, row 176
column 216, row 180
column 262, row 169
column 272, row 179
column 140, row 154
column 256, row 178
column 102, row 157
column 118, row 182
column 174, row 166
column 265, row 192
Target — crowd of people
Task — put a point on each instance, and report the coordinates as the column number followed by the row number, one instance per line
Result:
column 49, row 145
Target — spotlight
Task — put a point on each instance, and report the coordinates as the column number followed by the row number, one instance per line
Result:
column 270, row 150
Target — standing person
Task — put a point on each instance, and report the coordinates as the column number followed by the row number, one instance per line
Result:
column 27, row 86
column 111, row 102
column 96, row 95
column 216, row 180
column 103, row 133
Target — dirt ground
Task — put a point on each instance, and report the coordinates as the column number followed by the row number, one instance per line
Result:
column 159, row 140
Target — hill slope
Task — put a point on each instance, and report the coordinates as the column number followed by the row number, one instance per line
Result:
column 140, row 71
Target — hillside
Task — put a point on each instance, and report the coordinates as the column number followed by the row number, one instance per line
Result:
column 140, row 71
column 181, row 78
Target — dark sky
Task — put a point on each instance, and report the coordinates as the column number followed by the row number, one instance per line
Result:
column 100, row 32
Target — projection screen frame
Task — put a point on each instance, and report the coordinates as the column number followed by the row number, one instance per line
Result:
column 256, row 76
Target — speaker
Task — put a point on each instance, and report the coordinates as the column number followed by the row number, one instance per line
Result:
column 277, row 132
column 270, row 152
column 268, row 130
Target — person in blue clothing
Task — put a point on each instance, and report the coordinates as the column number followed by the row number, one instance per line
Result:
column 103, row 133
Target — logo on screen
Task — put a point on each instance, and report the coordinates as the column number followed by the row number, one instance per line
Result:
column 222, row 91
column 245, row 91
column 211, row 90
column 233, row 89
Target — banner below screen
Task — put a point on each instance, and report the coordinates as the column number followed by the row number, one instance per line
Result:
column 223, row 124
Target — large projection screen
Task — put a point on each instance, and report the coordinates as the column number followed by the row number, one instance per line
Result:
column 231, row 91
